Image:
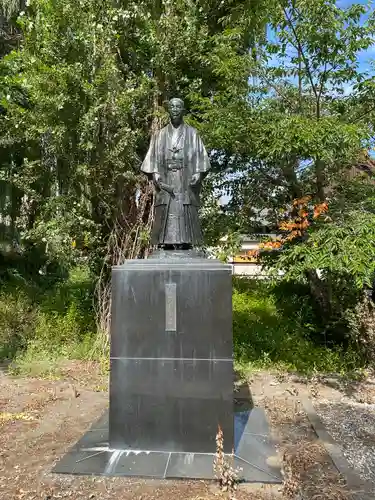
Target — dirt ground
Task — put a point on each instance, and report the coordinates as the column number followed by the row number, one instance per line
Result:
column 41, row 419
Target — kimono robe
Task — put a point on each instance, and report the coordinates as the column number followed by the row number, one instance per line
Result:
column 176, row 154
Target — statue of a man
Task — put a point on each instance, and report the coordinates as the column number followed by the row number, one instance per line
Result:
column 177, row 162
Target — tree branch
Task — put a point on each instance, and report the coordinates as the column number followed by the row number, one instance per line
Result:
column 273, row 180
column 322, row 80
column 301, row 51
column 362, row 115
column 275, row 88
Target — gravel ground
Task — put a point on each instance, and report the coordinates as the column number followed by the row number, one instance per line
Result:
column 352, row 426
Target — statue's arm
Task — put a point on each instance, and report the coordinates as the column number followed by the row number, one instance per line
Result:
column 150, row 166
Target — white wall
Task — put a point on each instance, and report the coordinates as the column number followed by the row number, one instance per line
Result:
column 248, row 270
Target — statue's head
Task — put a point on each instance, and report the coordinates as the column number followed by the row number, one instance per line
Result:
column 176, row 109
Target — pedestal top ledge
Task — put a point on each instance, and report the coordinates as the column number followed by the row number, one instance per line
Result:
column 175, row 259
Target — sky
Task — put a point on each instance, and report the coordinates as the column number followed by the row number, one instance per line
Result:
column 365, row 56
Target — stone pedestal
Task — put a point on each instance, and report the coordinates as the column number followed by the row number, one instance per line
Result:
column 171, row 381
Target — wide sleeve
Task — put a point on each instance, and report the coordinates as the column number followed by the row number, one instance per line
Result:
column 150, row 163
column 202, row 160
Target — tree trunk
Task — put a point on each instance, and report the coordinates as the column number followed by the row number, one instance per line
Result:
column 289, row 171
column 320, row 180
column 320, row 292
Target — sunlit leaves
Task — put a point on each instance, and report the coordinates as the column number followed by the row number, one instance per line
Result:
column 91, row 78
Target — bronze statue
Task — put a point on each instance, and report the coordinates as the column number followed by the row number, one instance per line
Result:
column 177, row 162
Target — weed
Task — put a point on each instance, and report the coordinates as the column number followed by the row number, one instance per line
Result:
column 225, row 473
column 40, row 327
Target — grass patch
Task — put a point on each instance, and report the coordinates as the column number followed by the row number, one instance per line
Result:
column 42, row 327
column 43, row 360
column 267, row 335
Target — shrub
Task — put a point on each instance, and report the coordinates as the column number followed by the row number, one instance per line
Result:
column 330, row 250
column 266, row 335
column 41, row 327
column 17, row 322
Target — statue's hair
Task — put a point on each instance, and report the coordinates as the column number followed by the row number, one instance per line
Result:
column 177, row 99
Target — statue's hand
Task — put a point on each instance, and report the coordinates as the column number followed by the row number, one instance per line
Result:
column 195, row 180
column 156, row 180
column 168, row 189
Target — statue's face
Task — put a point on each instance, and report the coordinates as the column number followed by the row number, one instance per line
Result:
column 176, row 109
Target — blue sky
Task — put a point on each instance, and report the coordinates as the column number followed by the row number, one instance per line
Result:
column 365, row 56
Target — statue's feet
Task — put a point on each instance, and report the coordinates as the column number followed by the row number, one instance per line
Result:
column 179, row 246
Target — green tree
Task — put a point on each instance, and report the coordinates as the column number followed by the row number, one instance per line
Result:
column 300, row 132
column 80, row 99
column 297, row 129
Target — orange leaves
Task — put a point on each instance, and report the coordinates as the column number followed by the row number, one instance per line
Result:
column 253, row 253
column 320, row 209
column 287, row 226
column 292, row 235
column 251, row 256
column 300, row 202
column 301, row 217
column 299, row 224
column 271, row 245
column 295, row 227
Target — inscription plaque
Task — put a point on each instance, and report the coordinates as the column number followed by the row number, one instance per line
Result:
column 170, row 307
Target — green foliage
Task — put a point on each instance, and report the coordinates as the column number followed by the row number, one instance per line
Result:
column 269, row 336
column 73, row 298
column 298, row 126
column 80, row 93
column 42, row 325
column 229, row 246
column 17, row 320
column 335, row 260
column 344, row 249
column 79, row 99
